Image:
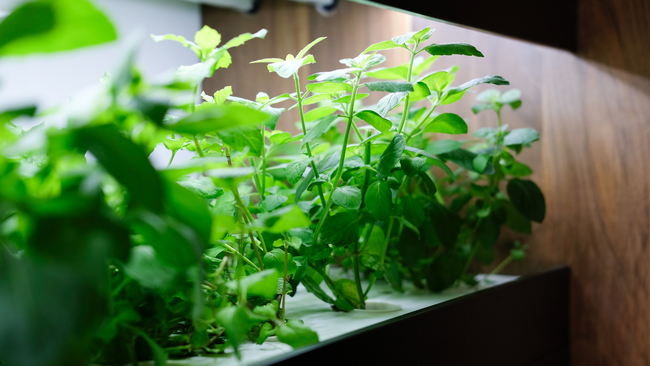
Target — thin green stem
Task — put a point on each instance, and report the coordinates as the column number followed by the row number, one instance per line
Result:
column 304, row 132
column 495, row 156
column 406, row 100
column 171, row 158
column 328, row 280
column 433, row 107
column 474, row 249
column 357, row 276
column 339, row 171
column 386, row 241
column 199, row 150
column 235, row 251
column 366, row 178
column 248, row 217
column 501, row 266
column 284, row 282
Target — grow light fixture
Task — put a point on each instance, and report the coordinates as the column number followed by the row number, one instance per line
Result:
column 527, row 20
column 324, row 7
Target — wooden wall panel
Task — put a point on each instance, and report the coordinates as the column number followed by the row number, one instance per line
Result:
column 292, row 26
column 592, row 110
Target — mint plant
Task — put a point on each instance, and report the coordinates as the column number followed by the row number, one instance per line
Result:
column 106, row 259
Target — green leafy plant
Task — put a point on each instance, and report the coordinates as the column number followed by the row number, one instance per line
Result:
column 106, row 259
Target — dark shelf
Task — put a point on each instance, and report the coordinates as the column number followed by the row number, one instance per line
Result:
column 519, row 323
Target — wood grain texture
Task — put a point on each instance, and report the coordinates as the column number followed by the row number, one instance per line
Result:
column 592, row 110
column 292, row 26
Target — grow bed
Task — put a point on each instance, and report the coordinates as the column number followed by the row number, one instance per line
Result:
column 508, row 320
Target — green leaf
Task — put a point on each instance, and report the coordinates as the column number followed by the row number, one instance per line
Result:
column 420, row 92
column 511, row 97
column 287, row 69
column 329, row 87
column 489, row 79
column 389, row 73
column 243, row 38
column 295, row 170
column 316, row 98
column 448, row 123
column 375, row 120
column 439, row 81
column 287, row 218
column 428, row 182
column 125, row 161
column 275, row 259
column 390, row 156
column 274, row 201
column 304, row 51
column 480, row 162
column 378, row 200
column 385, row 45
column 404, row 38
column 479, row 107
column 207, row 38
column 488, row 230
column 389, row 86
column 203, row 187
column 412, row 166
column 433, row 160
column 263, row 283
column 348, row 290
column 514, row 219
column 426, row 64
column 465, row 159
column 239, row 138
column 315, row 289
column 220, row 96
column 423, row 34
column 527, row 199
column 319, row 113
column 348, row 98
column 51, row 26
column 445, row 224
column 237, row 325
column 319, row 129
column 517, row 169
column 146, row 269
column 521, row 136
column 390, row 101
column 443, row 272
column 347, row 197
column 296, row 334
column 215, row 118
column 448, row 49
column 443, row 146
column 189, row 209
column 341, row 229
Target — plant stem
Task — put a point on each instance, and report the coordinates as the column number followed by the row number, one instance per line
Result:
column 199, row 150
column 257, row 251
column 248, row 218
column 171, row 158
column 328, row 281
column 263, row 191
column 433, row 107
column 495, row 156
column 304, row 132
column 474, row 249
column 366, row 178
column 339, row 171
column 241, row 255
column 284, row 282
column 406, row 100
column 386, row 241
column 501, row 266
column 357, row 276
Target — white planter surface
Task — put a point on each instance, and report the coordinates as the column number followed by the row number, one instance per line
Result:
column 329, row 324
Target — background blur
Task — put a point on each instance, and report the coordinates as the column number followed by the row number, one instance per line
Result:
column 591, row 108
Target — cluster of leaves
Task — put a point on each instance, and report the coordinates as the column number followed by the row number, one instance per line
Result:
column 106, row 258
